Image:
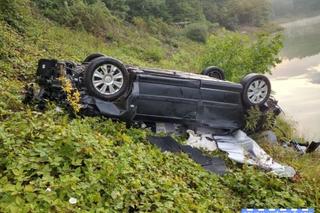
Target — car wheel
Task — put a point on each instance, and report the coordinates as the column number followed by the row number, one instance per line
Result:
column 106, row 78
column 92, row 57
column 256, row 89
column 214, row 72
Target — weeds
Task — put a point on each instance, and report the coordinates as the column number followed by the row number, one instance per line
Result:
column 103, row 164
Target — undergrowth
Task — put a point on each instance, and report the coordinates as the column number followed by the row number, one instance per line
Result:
column 105, row 165
column 48, row 158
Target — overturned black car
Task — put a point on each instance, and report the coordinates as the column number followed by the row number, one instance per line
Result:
column 110, row 88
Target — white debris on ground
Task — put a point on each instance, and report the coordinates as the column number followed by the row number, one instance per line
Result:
column 269, row 136
column 204, row 141
column 73, row 200
column 168, row 128
column 48, row 189
column 59, row 110
column 240, row 148
column 243, row 149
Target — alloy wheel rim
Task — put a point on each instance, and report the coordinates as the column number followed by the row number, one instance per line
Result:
column 107, row 79
column 257, row 91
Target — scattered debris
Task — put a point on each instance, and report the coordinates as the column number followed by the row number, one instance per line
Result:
column 73, row 200
column 240, row 148
column 168, row 144
column 304, row 148
column 59, row 109
column 269, row 136
column 313, row 146
column 243, row 149
column 169, row 128
column 204, row 141
column 299, row 148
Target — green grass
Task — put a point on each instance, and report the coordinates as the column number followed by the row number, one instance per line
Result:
column 105, row 165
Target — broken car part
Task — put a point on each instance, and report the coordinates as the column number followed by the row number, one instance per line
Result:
column 304, row 148
column 243, row 149
column 313, row 146
column 201, row 141
column 168, row 144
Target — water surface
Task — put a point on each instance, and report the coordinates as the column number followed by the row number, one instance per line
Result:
column 296, row 81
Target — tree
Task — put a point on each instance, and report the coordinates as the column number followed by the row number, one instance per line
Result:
column 232, row 13
column 252, row 12
column 185, row 10
column 119, row 8
column 147, row 9
column 238, row 55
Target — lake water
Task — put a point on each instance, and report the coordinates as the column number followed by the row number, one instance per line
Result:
column 296, row 81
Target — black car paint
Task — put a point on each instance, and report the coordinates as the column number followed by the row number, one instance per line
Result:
column 155, row 96
column 188, row 98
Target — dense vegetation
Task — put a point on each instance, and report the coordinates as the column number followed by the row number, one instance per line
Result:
column 238, row 55
column 227, row 13
column 48, row 158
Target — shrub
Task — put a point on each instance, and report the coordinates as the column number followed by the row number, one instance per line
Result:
column 100, row 163
column 239, row 55
column 94, row 18
column 197, row 32
column 154, row 54
column 285, row 129
column 11, row 13
column 259, row 190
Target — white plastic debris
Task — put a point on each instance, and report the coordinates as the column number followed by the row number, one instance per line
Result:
column 269, row 136
column 58, row 109
column 243, row 149
column 48, row 189
column 204, row 141
column 73, row 200
column 169, row 128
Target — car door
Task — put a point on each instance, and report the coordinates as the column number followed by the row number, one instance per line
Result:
column 168, row 97
column 220, row 105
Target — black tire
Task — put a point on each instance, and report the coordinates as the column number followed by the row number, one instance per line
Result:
column 101, row 68
column 256, row 89
column 214, row 72
column 92, row 56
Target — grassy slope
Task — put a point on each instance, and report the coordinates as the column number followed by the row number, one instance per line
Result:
column 103, row 164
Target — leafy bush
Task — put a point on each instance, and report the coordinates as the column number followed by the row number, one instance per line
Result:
column 107, row 167
column 239, row 55
column 11, row 12
column 197, row 32
column 285, row 129
column 94, row 18
column 100, row 163
column 258, row 190
column 119, row 8
column 228, row 13
column 154, row 54
column 256, row 121
column 156, row 27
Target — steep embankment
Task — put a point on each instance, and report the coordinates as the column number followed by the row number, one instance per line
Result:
column 48, row 158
